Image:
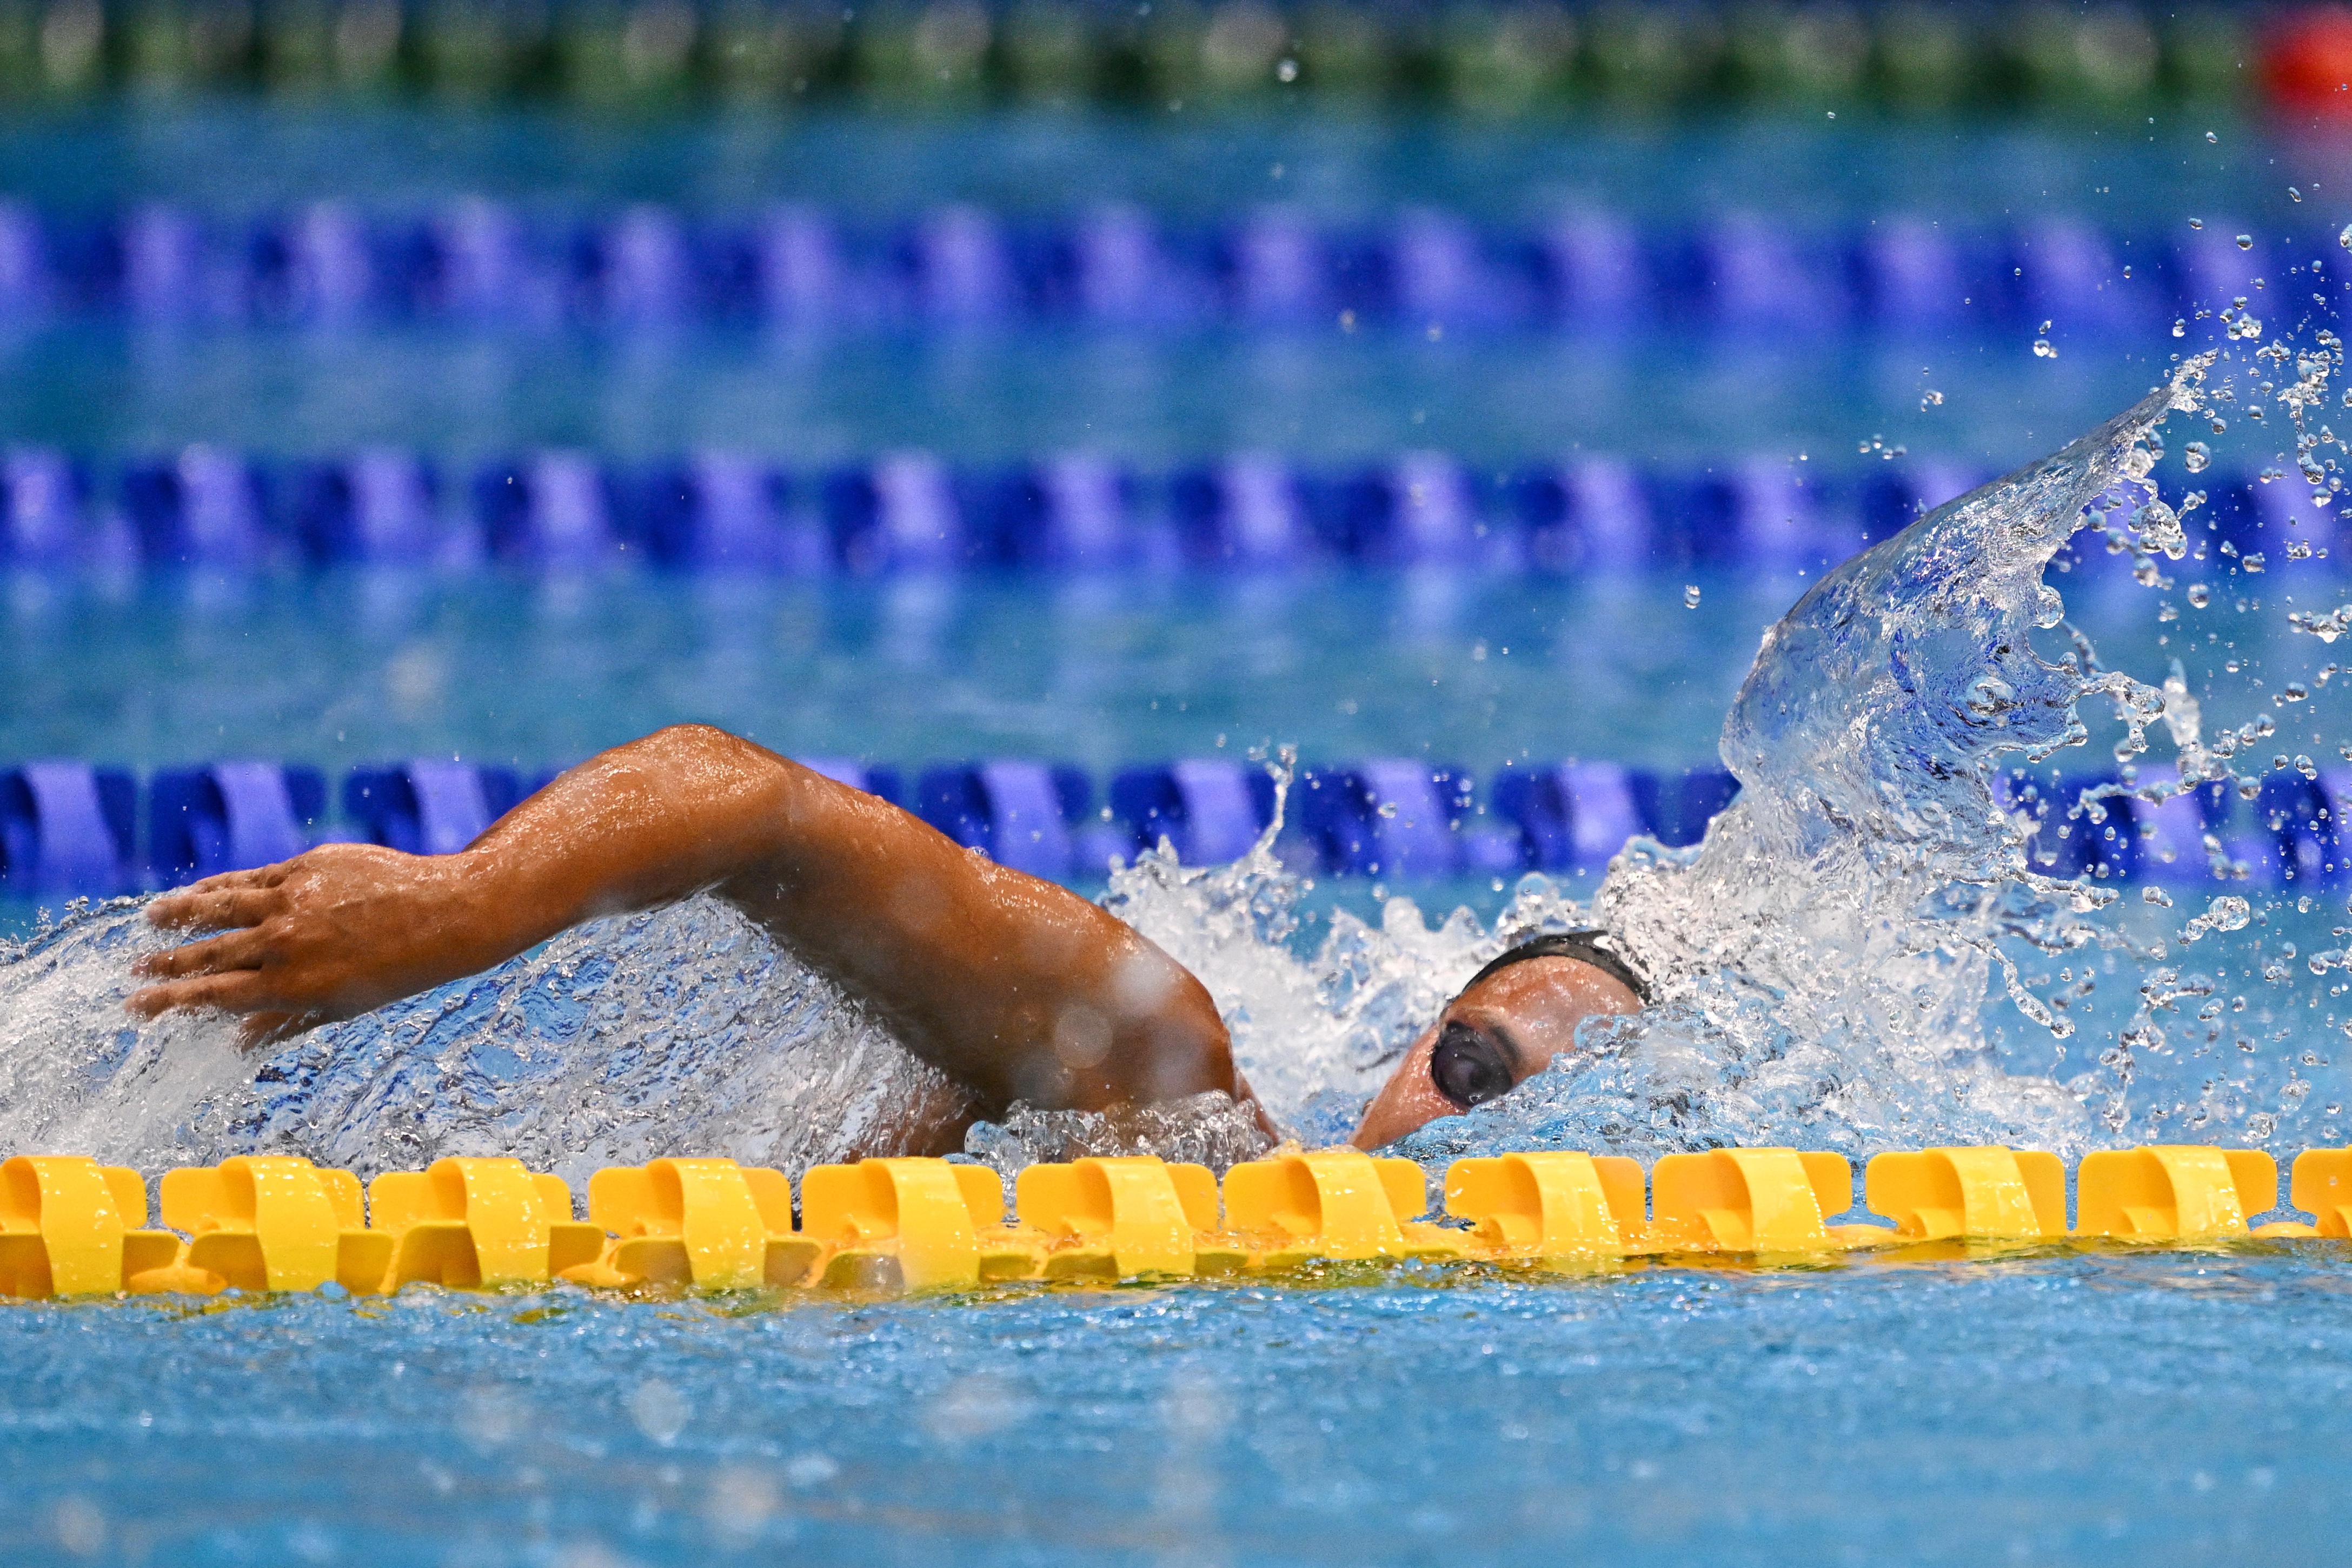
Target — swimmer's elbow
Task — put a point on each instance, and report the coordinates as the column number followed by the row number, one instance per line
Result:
column 705, row 764
column 703, row 744
column 1192, row 1050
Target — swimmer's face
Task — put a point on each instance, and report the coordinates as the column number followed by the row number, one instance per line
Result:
column 1492, row 1037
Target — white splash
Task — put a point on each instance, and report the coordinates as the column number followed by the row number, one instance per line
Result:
column 681, row 1031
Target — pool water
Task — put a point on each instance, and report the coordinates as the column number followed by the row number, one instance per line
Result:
column 1462, row 666
column 240, row 156
column 96, row 389
column 1312, row 392
column 2107, row 1407
column 2181, row 1409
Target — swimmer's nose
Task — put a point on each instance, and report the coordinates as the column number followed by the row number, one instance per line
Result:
column 1408, row 1100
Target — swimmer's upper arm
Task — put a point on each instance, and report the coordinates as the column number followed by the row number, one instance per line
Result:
column 1019, row 988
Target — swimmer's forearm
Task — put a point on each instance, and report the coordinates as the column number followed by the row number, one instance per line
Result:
column 349, row 927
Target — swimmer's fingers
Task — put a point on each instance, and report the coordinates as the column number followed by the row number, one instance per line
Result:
column 267, row 875
column 266, row 1017
column 219, row 908
column 239, row 991
column 232, row 951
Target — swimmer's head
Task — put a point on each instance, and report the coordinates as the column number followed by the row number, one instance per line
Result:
column 1504, row 1028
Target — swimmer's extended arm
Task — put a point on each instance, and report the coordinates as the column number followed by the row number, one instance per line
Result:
column 1016, row 987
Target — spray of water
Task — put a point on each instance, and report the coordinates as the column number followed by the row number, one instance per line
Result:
column 1824, row 957
column 685, row 1029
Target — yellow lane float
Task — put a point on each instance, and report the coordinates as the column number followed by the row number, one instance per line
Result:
column 1127, row 1217
column 2176, row 1192
column 1333, row 1206
column 2321, row 1184
column 70, row 1226
column 1755, row 1201
column 478, row 1222
column 710, row 1224
column 273, row 1222
column 1970, row 1194
column 1550, row 1208
column 913, row 1225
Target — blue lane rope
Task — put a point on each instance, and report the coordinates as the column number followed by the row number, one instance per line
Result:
column 69, row 827
column 564, row 512
column 492, row 267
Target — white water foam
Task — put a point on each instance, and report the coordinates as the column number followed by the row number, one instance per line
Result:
column 685, row 1028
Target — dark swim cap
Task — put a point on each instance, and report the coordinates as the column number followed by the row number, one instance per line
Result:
column 1585, row 946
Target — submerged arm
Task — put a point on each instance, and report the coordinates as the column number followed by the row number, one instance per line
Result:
column 1017, row 988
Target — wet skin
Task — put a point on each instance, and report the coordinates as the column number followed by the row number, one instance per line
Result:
column 1494, row 1037
column 1016, row 988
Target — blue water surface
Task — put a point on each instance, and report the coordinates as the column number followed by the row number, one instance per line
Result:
column 244, row 156
column 2160, row 1408
column 1316, row 390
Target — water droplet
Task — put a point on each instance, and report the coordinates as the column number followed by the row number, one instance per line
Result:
column 1931, row 399
column 2212, row 136
column 1286, row 71
column 2195, row 456
column 2199, row 223
column 2245, row 242
column 2179, row 328
column 2043, row 349
column 2344, row 237
column 659, row 1410
column 2049, row 609
column 2293, row 195
column 2199, row 595
column 1690, row 596
column 1990, row 695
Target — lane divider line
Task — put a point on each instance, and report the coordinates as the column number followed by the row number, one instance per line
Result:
column 70, row 1227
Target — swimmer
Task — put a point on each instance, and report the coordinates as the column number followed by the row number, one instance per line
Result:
column 1017, row 989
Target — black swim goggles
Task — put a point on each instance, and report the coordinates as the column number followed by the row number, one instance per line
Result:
column 1469, row 1066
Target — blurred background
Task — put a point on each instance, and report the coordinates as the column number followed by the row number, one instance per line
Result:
column 1001, row 404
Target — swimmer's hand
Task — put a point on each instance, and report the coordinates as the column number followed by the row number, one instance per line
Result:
column 325, row 936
